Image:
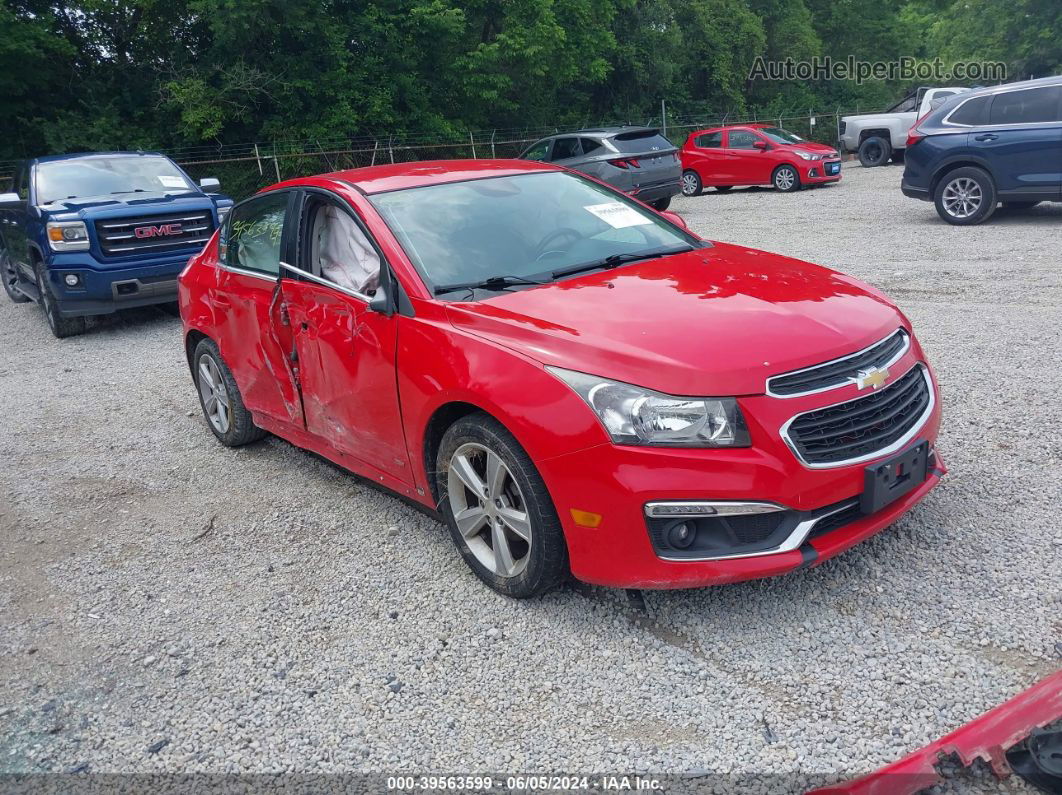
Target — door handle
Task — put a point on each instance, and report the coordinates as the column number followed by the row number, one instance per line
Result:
column 986, row 137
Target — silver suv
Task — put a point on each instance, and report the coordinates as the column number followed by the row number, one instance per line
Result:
column 637, row 160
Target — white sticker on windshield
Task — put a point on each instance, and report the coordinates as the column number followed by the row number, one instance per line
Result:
column 618, row 215
column 172, row 182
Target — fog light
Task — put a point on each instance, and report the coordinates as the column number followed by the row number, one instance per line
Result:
column 72, row 280
column 681, row 535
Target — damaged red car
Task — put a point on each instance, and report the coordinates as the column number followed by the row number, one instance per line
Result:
column 577, row 383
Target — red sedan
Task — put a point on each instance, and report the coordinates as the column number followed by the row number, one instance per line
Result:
column 755, row 154
column 577, row 383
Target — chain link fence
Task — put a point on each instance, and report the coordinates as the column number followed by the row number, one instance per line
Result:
column 244, row 169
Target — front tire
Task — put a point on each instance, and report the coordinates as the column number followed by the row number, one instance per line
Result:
column 500, row 514
column 10, row 276
column 62, row 327
column 874, row 151
column 662, row 204
column 691, row 183
column 965, row 196
column 786, row 179
column 226, row 416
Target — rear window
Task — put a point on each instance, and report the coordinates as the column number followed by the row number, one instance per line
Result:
column 972, row 112
column 1026, row 107
column 641, row 141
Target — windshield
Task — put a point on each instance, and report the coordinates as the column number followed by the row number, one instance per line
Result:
column 780, row 136
column 526, row 226
column 100, row 176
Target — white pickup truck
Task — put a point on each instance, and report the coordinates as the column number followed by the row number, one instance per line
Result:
column 876, row 137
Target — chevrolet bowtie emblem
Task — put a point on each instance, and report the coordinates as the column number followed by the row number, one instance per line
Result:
column 873, row 377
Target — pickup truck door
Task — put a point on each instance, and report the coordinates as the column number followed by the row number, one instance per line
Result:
column 344, row 352
column 1022, row 143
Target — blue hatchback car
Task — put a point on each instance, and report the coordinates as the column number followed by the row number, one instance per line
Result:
column 988, row 146
column 88, row 234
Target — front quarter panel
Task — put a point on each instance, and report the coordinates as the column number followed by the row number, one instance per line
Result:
column 439, row 364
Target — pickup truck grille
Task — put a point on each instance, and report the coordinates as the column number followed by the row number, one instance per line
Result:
column 862, row 428
column 838, row 372
column 155, row 233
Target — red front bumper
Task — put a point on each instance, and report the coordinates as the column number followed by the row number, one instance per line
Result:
column 815, row 172
column 616, row 482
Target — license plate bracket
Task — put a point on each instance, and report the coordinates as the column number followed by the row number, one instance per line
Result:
column 892, row 478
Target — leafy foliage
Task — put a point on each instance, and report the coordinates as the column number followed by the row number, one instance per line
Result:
column 104, row 74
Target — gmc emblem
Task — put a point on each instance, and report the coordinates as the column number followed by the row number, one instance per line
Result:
column 166, row 230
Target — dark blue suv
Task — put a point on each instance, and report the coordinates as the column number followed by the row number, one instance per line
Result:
column 88, row 234
column 986, row 146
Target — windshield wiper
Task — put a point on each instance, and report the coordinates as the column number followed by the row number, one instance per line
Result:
column 618, row 259
column 135, row 190
column 492, row 283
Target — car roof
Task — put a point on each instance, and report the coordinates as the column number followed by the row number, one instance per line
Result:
column 606, row 132
column 79, row 155
column 398, row 176
column 1037, row 83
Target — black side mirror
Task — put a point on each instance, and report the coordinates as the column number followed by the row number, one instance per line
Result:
column 383, row 301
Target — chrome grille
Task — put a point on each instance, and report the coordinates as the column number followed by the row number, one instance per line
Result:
column 838, row 372
column 158, row 233
column 865, row 427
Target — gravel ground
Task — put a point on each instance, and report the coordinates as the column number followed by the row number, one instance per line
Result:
column 168, row 605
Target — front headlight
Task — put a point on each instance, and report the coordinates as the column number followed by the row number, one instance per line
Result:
column 68, row 236
column 807, row 155
column 634, row 415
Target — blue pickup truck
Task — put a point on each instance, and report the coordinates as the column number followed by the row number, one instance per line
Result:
column 89, row 234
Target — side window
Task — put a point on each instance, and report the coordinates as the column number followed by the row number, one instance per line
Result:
column 742, row 139
column 1025, row 107
column 972, row 112
column 590, row 146
column 709, row 140
column 537, row 151
column 252, row 234
column 21, row 186
column 339, row 251
column 564, row 148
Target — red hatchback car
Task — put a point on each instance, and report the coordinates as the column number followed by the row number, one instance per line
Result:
column 576, row 382
column 755, row 154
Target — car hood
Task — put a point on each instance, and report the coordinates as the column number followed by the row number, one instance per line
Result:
column 126, row 204
column 713, row 321
column 812, row 146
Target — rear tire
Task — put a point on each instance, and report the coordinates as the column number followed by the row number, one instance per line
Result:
column 661, row 204
column 226, row 416
column 874, row 151
column 62, row 327
column 10, row 276
column 691, row 183
column 786, row 179
column 509, row 533
column 965, row 196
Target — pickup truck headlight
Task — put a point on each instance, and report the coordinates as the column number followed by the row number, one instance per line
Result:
column 639, row 416
column 68, row 236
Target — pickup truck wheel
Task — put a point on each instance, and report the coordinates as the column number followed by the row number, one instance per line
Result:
column 786, row 179
column 500, row 514
column 691, row 183
column 874, row 151
column 10, row 277
column 228, row 418
column 61, row 327
column 965, row 196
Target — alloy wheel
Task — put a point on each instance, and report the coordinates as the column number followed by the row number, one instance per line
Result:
column 783, row 180
column 689, row 185
column 489, row 509
column 47, row 302
column 962, row 197
column 215, row 395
